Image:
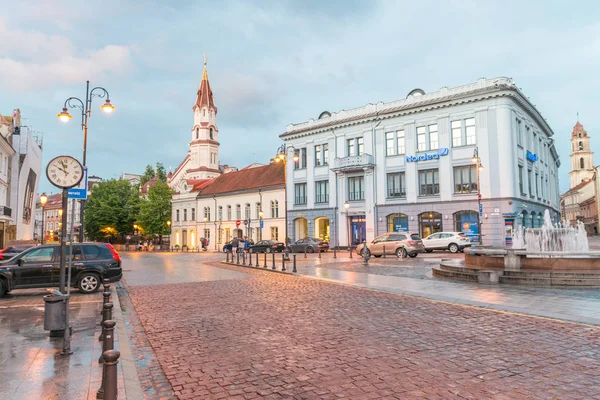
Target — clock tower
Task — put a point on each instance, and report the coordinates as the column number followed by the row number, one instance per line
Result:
column 582, row 158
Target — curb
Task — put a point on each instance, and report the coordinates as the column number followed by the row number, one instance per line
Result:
column 133, row 387
column 286, row 272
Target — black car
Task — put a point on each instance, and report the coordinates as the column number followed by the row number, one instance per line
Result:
column 309, row 245
column 40, row 267
column 267, row 246
column 11, row 251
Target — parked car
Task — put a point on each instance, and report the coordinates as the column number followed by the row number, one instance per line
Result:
column 227, row 246
column 453, row 241
column 39, row 267
column 11, row 251
column 310, row 245
column 267, row 246
column 402, row 244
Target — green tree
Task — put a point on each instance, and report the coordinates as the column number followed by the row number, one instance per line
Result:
column 111, row 210
column 161, row 172
column 155, row 210
column 148, row 174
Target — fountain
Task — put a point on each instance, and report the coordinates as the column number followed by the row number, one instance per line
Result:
column 555, row 254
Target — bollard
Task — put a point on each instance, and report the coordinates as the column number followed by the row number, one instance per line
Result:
column 227, row 254
column 244, row 258
column 350, row 246
column 108, row 342
column 305, row 252
column 250, row 259
column 319, row 254
column 238, row 257
column 106, row 299
column 283, row 263
column 265, row 266
column 106, row 315
column 334, row 255
column 384, row 251
column 273, row 261
column 257, row 265
column 294, row 270
column 365, row 253
column 111, row 359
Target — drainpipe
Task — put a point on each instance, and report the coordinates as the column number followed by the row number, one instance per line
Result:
column 374, row 143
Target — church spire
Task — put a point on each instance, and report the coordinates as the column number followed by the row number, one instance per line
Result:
column 204, row 97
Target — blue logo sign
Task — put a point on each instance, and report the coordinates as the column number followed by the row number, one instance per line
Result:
column 430, row 156
column 79, row 192
column 262, row 224
column 480, row 210
column 532, row 157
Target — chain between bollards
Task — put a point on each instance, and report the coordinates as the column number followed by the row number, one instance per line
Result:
column 294, row 270
column 106, row 315
column 111, row 359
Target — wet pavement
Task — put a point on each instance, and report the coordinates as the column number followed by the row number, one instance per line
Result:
column 257, row 334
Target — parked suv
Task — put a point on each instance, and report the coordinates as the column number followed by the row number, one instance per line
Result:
column 453, row 241
column 401, row 244
column 40, row 267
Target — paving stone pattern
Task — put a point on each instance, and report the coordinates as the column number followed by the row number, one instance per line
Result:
column 274, row 336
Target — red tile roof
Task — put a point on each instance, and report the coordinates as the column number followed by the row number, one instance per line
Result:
column 198, row 184
column 205, row 94
column 252, row 178
column 578, row 128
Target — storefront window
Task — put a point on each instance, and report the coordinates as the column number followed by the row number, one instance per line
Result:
column 397, row 222
column 322, row 228
column 429, row 223
column 466, row 221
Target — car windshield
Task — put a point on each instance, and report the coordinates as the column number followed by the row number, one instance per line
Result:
column 414, row 236
column 461, row 234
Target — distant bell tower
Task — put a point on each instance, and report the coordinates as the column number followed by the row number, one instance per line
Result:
column 204, row 146
column 582, row 158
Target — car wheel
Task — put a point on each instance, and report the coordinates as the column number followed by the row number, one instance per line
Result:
column 401, row 252
column 376, row 256
column 89, row 283
column 428, row 250
column 453, row 248
column 310, row 250
column 2, row 288
column 268, row 250
column 413, row 255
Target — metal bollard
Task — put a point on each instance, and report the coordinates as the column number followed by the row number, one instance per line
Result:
column 265, row 266
column 294, row 270
column 106, row 299
column 106, row 315
column 350, row 250
column 383, row 251
column 249, row 259
column 334, row 255
column 365, row 254
column 257, row 264
column 244, row 258
column 108, row 342
column 238, row 257
column 305, row 252
column 227, row 254
column 319, row 254
column 273, row 261
column 111, row 359
column 283, row 263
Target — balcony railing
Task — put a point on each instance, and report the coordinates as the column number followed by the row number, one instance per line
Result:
column 354, row 163
column 324, row 198
column 300, row 200
column 354, row 196
column 396, row 193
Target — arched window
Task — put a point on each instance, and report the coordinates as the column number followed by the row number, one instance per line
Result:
column 204, row 112
column 238, row 211
column 211, row 133
column 580, row 145
column 466, row 221
column 228, row 213
column 526, row 220
column 247, row 211
column 274, row 209
column 397, row 222
column 581, row 163
column 220, row 215
column 197, row 133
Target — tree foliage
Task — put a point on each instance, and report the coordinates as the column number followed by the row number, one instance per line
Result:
column 161, row 172
column 155, row 210
column 111, row 210
column 150, row 172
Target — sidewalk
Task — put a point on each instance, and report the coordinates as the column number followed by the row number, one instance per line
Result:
column 31, row 365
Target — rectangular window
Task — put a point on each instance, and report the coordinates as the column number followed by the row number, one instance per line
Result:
column 465, row 179
column 389, row 143
column 247, row 211
column 356, row 188
column 325, row 154
column 193, row 214
column 429, row 182
column 360, row 146
column 537, row 186
column 519, row 135
column 185, row 214
column 303, row 158
column 229, row 213
column 300, row 193
column 457, row 133
column 350, row 147
column 177, row 215
column 529, row 179
column 521, row 179
column 274, row 233
column 421, row 143
column 207, row 234
column 318, row 156
column 470, row 131
column 322, row 192
column 396, row 185
column 227, row 234
column 433, row 137
column 238, row 212
column 220, row 236
column 401, row 143
column 220, row 216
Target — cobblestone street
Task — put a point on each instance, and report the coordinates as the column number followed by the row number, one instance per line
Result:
column 268, row 335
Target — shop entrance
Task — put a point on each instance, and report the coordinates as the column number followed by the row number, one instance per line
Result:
column 358, row 229
column 429, row 223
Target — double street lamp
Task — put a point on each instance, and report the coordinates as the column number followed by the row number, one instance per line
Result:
column 282, row 157
column 479, row 167
column 86, row 112
column 43, row 201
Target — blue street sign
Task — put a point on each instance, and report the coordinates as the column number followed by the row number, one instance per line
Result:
column 79, row 192
column 262, row 224
column 480, row 210
column 248, row 222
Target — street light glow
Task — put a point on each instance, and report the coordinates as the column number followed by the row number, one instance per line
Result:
column 346, row 205
column 296, row 157
column 107, row 107
column 168, row 223
column 64, row 116
column 43, row 199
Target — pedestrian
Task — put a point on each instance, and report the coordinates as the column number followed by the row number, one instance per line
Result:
column 139, row 246
column 234, row 245
column 246, row 244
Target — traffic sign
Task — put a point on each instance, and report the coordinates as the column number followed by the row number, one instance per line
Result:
column 262, row 224
column 238, row 222
column 480, row 210
column 79, row 192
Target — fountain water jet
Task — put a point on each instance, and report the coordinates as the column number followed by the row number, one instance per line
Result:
column 552, row 237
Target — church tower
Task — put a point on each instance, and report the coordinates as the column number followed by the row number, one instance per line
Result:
column 582, row 158
column 204, row 144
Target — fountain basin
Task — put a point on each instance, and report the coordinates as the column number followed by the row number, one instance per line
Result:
column 539, row 261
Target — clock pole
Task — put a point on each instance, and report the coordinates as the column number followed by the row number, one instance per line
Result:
column 63, row 238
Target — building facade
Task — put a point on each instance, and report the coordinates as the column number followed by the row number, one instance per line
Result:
column 247, row 202
column 52, row 221
column 408, row 165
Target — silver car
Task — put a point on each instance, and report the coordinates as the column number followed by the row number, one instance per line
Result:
column 402, row 244
column 452, row 241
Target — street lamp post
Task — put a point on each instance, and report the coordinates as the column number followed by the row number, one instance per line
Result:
column 43, row 201
column 86, row 112
column 347, row 208
column 477, row 161
column 282, row 157
column 260, row 217
column 169, row 229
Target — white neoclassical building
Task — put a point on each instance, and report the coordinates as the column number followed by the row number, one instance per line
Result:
column 408, row 165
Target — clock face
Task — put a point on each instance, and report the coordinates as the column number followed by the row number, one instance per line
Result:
column 64, row 172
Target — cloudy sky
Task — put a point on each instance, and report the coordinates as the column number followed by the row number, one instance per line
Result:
column 273, row 62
